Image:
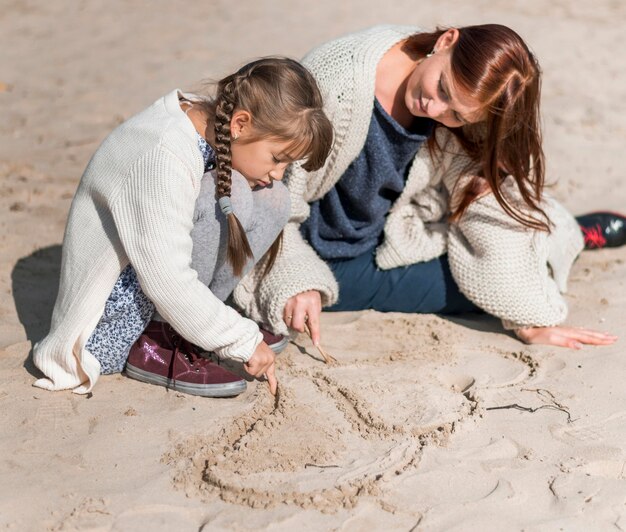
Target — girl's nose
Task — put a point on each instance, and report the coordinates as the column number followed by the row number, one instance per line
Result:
column 277, row 173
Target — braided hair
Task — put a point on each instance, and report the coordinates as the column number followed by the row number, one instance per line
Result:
column 238, row 246
column 285, row 104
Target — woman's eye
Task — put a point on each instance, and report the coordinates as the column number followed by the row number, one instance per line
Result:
column 275, row 159
column 444, row 94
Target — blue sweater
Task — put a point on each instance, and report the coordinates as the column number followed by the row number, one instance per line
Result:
column 349, row 220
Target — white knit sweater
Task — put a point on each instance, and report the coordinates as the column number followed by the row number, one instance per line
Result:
column 135, row 204
column 501, row 267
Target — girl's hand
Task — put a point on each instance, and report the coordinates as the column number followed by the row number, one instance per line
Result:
column 261, row 364
column 571, row 337
column 304, row 307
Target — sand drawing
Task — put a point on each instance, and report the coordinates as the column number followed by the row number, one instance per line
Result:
column 335, row 433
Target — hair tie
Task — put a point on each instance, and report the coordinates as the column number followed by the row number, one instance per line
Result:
column 225, row 205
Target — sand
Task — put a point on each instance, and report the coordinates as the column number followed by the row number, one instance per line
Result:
column 424, row 424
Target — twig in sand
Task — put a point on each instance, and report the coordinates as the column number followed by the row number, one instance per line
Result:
column 327, row 358
column 320, row 466
column 544, row 394
column 532, row 410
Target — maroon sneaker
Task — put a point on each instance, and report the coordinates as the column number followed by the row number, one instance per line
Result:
column 162, row 357
column 276, row 342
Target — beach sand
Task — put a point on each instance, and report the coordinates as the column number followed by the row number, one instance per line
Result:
column 425, row 423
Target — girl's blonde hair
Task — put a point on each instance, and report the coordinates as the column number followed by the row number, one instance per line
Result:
column 285, row 104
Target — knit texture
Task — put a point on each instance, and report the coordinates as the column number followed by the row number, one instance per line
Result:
column 345, row 70
column 503, row 268
column 349, row 219
column 135, row 204
column 508, row 270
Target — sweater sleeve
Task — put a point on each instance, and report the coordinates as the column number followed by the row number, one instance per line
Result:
column 298, row 268
column 154, row 217
column 509, row 270
column 416, row 229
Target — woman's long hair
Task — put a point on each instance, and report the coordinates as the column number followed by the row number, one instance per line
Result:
column 285, row 104
column 492, row 65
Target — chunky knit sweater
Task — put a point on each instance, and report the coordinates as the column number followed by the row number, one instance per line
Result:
column 135, row 203
column 509, row 271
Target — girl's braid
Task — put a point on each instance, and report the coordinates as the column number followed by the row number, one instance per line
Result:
column 223, row 113
column 239, row 251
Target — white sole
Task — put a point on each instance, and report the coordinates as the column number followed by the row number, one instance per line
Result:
column 228, row 389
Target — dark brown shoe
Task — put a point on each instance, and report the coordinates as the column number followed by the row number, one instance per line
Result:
column 162, row 357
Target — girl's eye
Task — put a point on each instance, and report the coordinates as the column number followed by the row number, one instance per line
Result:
column 275, row 159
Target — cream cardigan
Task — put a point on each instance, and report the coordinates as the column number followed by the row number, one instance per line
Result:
column 509, row 271
column 134, row 204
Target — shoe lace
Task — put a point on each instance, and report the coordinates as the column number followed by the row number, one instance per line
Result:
column 593, row 236
column 191, row 353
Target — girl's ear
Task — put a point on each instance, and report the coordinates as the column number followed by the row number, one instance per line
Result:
column 240, row 123
column 447, row 39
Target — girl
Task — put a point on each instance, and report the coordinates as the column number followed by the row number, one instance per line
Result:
column 437, row 150
column 132, row 227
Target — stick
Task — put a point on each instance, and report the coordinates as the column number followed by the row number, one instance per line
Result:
column 327, row 358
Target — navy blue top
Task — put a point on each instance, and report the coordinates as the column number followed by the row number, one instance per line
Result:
column 349, row 220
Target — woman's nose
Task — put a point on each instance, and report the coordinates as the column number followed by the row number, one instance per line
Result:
column 437, row 108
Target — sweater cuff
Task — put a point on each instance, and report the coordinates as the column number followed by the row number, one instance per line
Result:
column 243, row 349
column 511, row 325
column 268, row 304
column 390, row 256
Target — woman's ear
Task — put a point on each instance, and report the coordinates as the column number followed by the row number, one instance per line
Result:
column 240, row 123
column 447, row 39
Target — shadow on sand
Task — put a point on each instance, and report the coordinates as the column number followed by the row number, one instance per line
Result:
column 35, row 282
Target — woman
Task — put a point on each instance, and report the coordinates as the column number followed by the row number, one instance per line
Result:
column 437, row 149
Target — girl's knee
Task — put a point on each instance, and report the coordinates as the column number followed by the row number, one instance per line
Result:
column 274, row 202
column 242, row 200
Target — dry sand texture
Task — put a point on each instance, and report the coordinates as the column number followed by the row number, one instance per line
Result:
column 402, row 434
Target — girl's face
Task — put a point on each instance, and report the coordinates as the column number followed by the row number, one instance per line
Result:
column 431, row 92
column 260, row 161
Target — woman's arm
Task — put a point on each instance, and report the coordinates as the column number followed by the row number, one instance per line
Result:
column 518, row 274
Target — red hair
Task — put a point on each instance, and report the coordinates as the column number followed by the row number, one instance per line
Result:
column 492, row 65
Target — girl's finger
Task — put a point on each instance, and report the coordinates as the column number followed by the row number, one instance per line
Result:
column 271, row 379
column 256, row 369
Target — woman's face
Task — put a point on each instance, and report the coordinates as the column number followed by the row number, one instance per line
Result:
column 431, row 91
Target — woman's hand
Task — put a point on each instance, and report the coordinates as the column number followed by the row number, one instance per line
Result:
column 261, row 364
column 571, row 337
column 302, row 308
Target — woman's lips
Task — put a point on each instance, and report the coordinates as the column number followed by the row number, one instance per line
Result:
column 421, row 106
